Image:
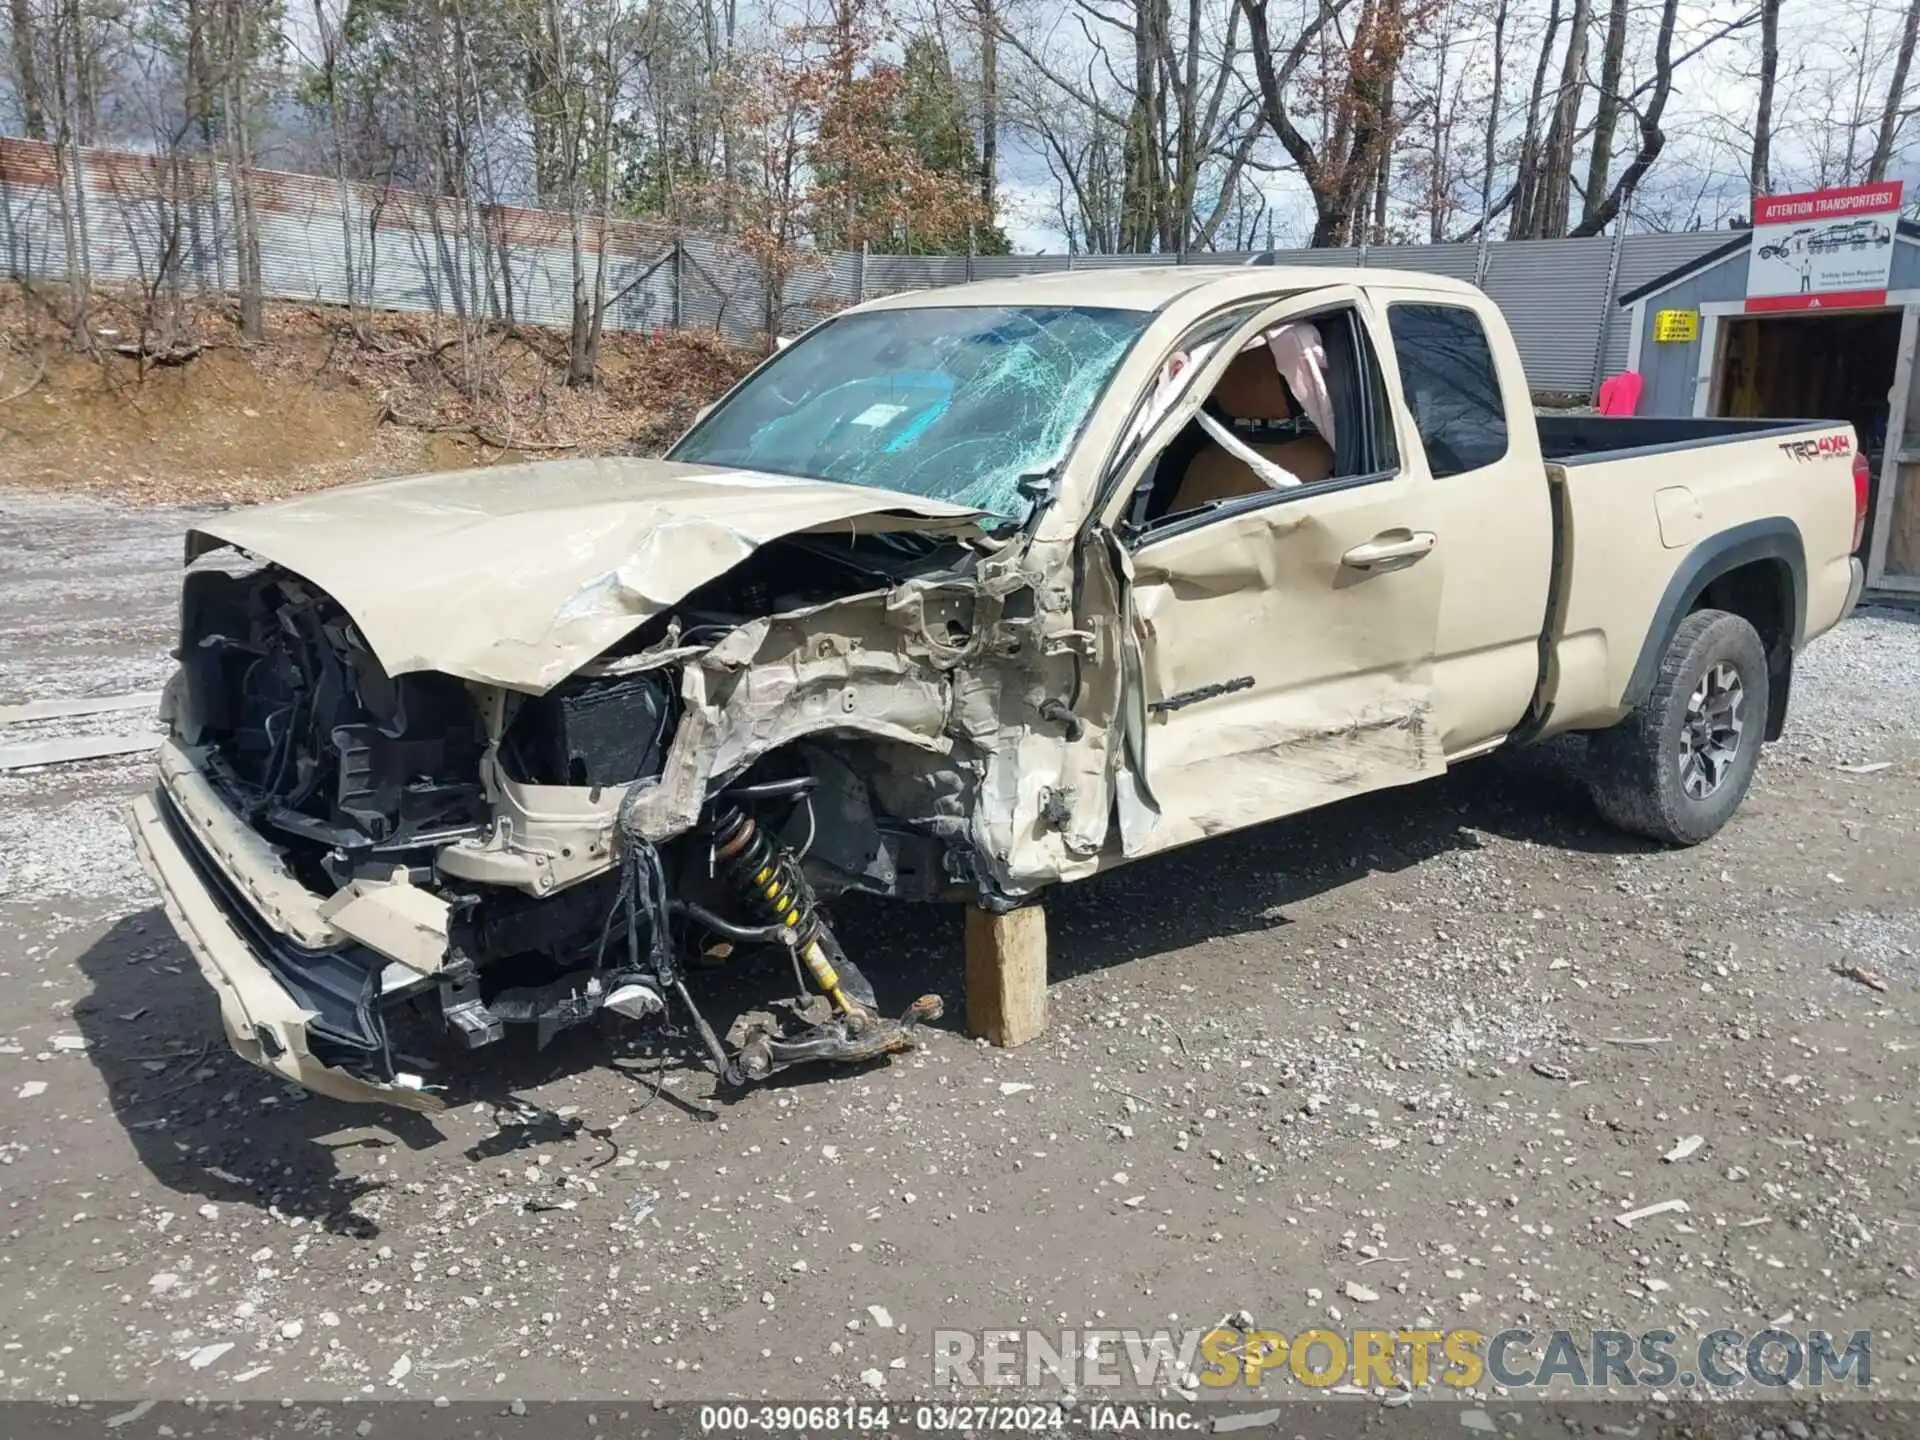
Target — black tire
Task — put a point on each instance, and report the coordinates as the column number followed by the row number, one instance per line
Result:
column 1636, row 767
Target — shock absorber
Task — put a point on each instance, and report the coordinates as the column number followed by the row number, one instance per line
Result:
column 768, row 878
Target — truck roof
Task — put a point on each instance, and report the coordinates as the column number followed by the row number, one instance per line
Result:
column 1151, row 287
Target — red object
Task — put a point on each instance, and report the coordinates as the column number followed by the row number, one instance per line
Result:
column 1832, row 300
column 1620, row 394
column 1862, row 483
column 1834, row 204
column 1823, row 249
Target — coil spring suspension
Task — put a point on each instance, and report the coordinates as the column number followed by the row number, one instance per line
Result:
column 768, row 879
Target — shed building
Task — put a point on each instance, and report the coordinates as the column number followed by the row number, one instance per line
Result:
column 1701, row 351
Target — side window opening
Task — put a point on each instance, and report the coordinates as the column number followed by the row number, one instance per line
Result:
column 1453, row 391
column 1300, row 406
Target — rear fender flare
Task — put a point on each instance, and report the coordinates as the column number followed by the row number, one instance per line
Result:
column 1775, row 538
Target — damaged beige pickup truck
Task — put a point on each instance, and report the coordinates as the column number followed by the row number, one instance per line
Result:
column 963, row 594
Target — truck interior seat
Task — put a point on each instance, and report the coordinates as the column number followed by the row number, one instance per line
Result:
column 1253, row 396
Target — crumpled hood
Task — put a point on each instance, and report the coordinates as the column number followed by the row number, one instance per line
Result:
column 517, row 575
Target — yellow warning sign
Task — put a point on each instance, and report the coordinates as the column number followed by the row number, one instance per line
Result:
column 1676, row 325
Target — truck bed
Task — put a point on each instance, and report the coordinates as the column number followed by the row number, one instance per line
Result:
column 1576, row 439
column 1644, row 503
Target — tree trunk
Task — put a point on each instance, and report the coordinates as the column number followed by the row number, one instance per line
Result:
column 332, row 43
column 1760, row 176
column 80, row 98
column 70, row 177
column 236, row 51
column 1383, row 175
column 1896, row 97
column 579, row 336
column 26, row 70
column 1142, row 200
column 1441, row 159
column 989, row 105
column 1527, row 175
column 1606, row 118
column 1327, row 171
column 604, row 162
column 1553, row 201
column 1652, row 138
column 246, row 220
column 1490, row 150
column 1177, row 228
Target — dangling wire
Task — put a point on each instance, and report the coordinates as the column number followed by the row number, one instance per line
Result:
column 643, row 886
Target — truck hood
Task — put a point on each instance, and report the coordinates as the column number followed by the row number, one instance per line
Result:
column 517, row 575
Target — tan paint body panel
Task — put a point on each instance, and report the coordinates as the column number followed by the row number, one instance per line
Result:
column 1355, row 677
column 1344, row 705
column 1683, row 520
column 251, row 1000
column 1618, row 565
column 517, row 575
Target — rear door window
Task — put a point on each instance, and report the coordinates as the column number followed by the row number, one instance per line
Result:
column 1452, row 388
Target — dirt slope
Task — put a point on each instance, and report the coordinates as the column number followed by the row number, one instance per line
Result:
column 326, row 398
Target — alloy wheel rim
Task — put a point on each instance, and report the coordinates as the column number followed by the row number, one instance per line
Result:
column 1711, row 731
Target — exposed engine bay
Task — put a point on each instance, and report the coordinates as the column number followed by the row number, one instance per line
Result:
column 809, row 722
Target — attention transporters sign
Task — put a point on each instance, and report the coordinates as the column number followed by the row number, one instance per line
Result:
column 1823, row 249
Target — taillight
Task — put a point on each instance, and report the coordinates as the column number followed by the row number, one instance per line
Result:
column 1862, row 482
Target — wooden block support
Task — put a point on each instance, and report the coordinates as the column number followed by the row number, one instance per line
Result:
column 1007, row 974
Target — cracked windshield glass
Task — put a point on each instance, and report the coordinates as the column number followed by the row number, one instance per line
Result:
column 952, row 403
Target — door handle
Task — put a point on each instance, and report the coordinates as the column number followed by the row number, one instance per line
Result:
column 1396, row 548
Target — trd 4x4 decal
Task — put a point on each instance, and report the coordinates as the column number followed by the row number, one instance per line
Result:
column 1814, row 449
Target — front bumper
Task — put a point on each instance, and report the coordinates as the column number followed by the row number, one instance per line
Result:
column 279, row 1001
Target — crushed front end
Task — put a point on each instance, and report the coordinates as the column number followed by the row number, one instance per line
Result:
column 345, row 848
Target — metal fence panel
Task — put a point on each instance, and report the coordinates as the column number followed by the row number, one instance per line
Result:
column 1006, row 267
column 891, row 274
column 1333, row 255
column 1648, row 257
column 1457, row 262
column 721, row 290
column 1123, row 262
column 1553, row 293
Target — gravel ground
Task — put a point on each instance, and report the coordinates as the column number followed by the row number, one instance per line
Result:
column 1365, row 1067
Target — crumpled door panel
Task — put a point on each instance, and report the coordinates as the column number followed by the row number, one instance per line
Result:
column 1275, row 677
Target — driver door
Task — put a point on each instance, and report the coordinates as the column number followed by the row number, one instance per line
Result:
column 1282, row 641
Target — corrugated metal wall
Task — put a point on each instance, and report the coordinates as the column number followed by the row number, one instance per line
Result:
column 1553, row 293
column 1646, row 258
column 150, row 221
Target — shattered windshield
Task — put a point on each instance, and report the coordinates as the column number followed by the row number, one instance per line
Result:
column 953, row 403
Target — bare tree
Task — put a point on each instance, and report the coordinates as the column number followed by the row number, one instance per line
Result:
column 1606, row 119
column 26, row 68
column 1343, row 162
column 582, row 51
column 1163, row 90
column 1550, row 197
column 1524, row 195
column 1598, row 215
column 240, row 34
column 987, row 22
column 1760, row 170
column 1491, row 146
column 70, row 42
column 1894, row 112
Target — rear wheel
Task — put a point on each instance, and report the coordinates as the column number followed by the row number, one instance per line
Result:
column 1679, row 765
